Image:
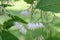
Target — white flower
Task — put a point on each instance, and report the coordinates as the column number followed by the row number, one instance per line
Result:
column 37, row 24
column 25, row 12
column 23, row 30
column 20, row 27
column 30, row 26
column 41, row 25
column 33, row 26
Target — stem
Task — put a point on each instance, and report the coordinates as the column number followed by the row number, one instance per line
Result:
column 32, row 10
column 31, row 36
column 53, row 18
column 42, row 15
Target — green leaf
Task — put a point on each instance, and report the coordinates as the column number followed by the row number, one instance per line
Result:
column 6, row 35
column 5, row 5
column 29, row 1
column 16, row 18
column 8, row 24
column 49, row 5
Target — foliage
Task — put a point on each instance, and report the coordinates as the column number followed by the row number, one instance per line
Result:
column 6, row 35
column 16, row 0
column 10, row 22
column 16, row 18
column 4, row 3
column 29, row 1
column 49, row 5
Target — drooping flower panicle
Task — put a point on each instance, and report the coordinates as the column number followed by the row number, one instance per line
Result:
column 33, row 26
column 20, row 27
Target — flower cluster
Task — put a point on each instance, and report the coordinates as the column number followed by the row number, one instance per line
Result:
column 30, row 26
column 25, row 12
column 33, row 26
column 20, row 27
